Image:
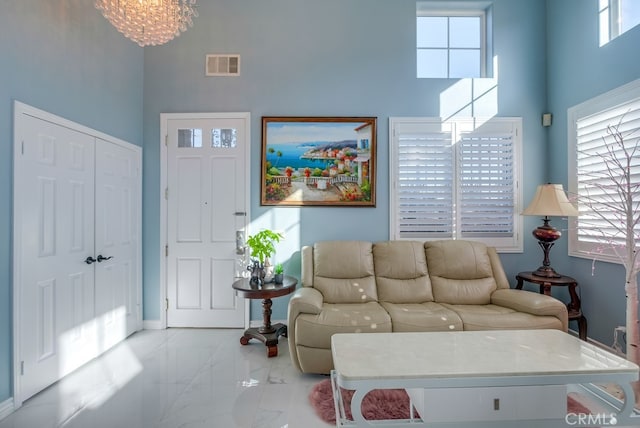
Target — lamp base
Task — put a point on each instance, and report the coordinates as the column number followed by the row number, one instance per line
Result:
column 546, row 235
column 546, row 272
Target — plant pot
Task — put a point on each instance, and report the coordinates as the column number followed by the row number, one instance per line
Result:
column 278, row 278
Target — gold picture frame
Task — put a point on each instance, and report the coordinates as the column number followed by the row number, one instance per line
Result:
column 318, row 161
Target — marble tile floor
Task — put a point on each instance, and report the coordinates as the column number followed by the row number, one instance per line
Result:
column 177, row 378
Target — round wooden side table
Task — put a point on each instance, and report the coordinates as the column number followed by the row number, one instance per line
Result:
column 573, row 307
column 267, row 333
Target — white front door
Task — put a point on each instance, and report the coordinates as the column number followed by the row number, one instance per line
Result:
column 54, row 202
column 207, row 187
column 116, row 244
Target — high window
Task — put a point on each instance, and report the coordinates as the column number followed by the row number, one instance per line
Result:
column 591, row 235
column 451, row 43
column 456, row 180
column 616, row 17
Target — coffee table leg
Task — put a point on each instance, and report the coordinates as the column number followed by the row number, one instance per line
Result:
column 617, row 411
column 629, row 402
column 356, row 407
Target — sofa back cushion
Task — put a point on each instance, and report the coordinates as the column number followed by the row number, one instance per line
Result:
column 460, row 272
column 343, row 271
column 401, row 272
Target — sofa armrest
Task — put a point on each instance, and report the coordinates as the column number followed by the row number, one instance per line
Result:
column 532, row 303
column 305, row 300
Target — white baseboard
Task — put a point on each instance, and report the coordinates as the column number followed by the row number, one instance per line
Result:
column 152, row 325
column 6, row 408
column 600, row 345
column 157, row 324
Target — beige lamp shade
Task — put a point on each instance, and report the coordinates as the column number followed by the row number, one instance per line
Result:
column 550, row 200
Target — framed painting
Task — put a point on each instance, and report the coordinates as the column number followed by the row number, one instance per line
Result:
column 328, row 161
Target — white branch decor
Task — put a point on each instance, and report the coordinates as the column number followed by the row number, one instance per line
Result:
column 609, row 203
column 149, row 22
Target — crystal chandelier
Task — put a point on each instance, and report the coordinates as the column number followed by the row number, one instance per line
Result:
column 149, row 22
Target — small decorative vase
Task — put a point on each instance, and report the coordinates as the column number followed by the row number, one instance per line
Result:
column 268, row 271
column 257, row 272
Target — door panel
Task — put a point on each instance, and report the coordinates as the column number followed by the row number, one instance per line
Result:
column 222, row 296
column 188, row 192
column 207, row 180
column 56, row 235
column 189, row 289
column 116, row 241
column 223, row 225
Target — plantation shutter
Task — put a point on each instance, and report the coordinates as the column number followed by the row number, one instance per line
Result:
column 486, row 184
column 593, row 182
column 455, row 180
column 425, row 179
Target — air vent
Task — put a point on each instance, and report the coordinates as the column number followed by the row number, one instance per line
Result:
column 223, row 65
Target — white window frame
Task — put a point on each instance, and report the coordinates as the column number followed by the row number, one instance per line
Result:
column 611, row 19
column 458, row 9
column 611, row 106
column 400, row 127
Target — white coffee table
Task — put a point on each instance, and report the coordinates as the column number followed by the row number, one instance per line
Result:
column 518, row 374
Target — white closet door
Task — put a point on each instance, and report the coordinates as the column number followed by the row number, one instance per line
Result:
column 116, row 246
column 54, row 203
column 76, row 197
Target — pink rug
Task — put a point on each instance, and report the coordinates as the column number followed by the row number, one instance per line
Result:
column 382, row 403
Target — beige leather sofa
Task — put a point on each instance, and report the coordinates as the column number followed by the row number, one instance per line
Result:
column 357, row 286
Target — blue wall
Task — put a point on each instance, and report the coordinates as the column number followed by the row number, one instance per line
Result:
column 331, row 57
column 65, row 58
column 579, row 70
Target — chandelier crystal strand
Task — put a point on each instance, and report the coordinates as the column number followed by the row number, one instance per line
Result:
column 149, row 22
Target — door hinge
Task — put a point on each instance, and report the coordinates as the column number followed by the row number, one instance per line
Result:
column 166, row 193
column 21, row 368
column 166, row 140
column 166, row 304
column 166, row 250
column 22, row 147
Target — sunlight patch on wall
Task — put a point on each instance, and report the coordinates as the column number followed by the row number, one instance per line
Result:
column 285, row 221
column 471, row 97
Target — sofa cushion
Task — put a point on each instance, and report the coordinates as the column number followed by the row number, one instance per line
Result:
column 460, row 272
column 401, row 272
column 315, row 331
column 429, row 316
column 343, row 271
column 493, row 317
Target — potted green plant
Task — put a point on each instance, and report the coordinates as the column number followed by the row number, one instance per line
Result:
column 278, row 273
column 262, row 246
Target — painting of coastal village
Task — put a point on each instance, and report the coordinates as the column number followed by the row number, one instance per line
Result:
column 318, row 161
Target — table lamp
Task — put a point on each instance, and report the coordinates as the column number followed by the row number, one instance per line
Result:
column 549, row 200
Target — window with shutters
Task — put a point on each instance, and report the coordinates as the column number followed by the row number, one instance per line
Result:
column 456, row 179
column 592, row 235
